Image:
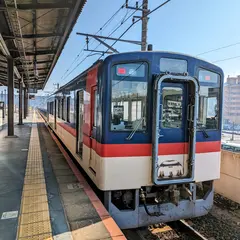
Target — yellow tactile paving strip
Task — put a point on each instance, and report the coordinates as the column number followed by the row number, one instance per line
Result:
column 34, row 220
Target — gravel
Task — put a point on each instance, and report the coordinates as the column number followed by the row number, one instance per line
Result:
column 225, row 203
column 222, row 222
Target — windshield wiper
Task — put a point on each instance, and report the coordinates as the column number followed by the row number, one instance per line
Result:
column 134, row 130
column 203, row 132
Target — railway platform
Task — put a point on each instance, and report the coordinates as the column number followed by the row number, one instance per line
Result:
column 43, row 195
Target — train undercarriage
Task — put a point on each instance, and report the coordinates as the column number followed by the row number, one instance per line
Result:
column 155, row 204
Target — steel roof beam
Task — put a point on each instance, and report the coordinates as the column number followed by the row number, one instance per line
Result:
column 38, row 62
column 3, row 72
column 30, row 36
column 34, row 77
column 3, row 63
column 40, row 75
column 44, row 61
column 3, row 68
column 31, row 69
column 39, row 52
column 3, row 58
column 3, row 82
column 35, row 81
column 36, row 6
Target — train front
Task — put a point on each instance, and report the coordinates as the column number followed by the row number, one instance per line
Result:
column 161, row 118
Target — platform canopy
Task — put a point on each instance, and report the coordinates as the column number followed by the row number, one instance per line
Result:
column 33, row 33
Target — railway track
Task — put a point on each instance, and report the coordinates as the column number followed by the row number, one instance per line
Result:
column 172, row 230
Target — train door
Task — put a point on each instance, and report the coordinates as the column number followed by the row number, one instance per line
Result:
column 93, row 137
column 175, row 123
column 80, row 112
column 173, row 130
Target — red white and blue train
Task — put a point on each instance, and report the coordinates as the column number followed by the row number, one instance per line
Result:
column 146, row 128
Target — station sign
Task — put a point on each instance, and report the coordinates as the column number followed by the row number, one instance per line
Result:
column 32, row 90
column 32, row 97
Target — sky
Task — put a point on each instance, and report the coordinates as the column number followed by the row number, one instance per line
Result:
column 185, row 26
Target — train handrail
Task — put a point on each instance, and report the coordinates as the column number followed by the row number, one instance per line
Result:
column 156, row 128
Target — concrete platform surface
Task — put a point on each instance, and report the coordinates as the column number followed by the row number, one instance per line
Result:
column 42, row 193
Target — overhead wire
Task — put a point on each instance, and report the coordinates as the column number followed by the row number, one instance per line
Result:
column 216, row 49
column 101, row 28
column 223, row 47
column 124, row 19
column 226, row 59
column 122, row 22
column 116, row 28
column 150, row 12
column 139, row 19
column 90, row 54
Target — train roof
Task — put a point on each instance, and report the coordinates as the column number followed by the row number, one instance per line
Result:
column 115, row 57
column 177, row 54
column 77, row 78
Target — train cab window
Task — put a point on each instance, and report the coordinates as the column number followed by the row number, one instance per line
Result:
column 208, row 115
column 68, row 108
column 129, row 97
column 172, row 107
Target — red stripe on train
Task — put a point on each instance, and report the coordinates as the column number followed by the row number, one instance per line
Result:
column 145, row 149
column 68, row 129
column 128, row 150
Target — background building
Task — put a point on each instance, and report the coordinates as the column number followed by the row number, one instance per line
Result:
column 231, row 107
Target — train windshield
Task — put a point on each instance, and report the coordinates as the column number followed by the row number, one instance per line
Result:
column 129, row 97
column 209, row 100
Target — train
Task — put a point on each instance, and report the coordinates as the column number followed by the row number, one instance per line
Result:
column 146, row 129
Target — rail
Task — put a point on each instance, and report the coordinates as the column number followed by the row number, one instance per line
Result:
column 173, row 230
column 184, row 228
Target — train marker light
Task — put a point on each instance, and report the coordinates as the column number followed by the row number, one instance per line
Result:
column 121, row 71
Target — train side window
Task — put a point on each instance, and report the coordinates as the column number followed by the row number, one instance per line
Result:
column 49, row 104
column 59, row 108
column 63, row 109
column 68, row 108
column 52, row 107
column 172, row 107
column 95, row 108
